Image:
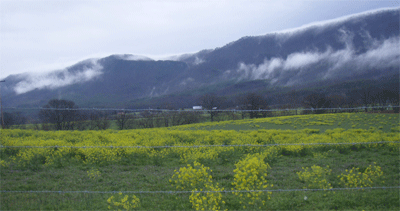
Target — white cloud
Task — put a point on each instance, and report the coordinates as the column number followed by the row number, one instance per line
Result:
column 186, row 81
column 381, row 54
column 131, row 57
column 385, row 55
column 321, row 25
column 296, row 60
column 198, row 61
column 262, row 71
column 56, row 79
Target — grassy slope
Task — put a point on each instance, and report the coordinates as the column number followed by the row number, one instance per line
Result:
column 151, row 175
column 299, row 122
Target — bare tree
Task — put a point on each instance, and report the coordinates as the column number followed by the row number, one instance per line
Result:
column 190, row 117
column 122, row 119
column 99, row 120
column 393, row 97
column 93, row 117
column 385, row 96
column 353, row 99
column 366, row 97
column 292, row 95
column 337, row 100
column 81, row 122
column 316, row 101
column 61, row 113
column 8, row 120
column 14, row 118
column 103, row 123
column 211, row 102
column 254, row 102
column 147, row 119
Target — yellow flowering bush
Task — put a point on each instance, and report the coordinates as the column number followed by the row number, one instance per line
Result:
column 315, row 177
column 100, row 155
column 196, row 178
column 354, row 178
column 208, row 200
column 197, row 154
column 191, row 177
column 125, row 202
column 30, row 157
column 250, row 174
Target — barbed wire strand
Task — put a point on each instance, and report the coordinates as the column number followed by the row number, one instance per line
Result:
column 222, row 191
column 204, row 146
column 194, row 110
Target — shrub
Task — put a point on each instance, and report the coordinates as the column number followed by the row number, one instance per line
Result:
column 196, row 178
column 250, row 174
column 316, row 177
column 117, row 202
column 354, row 178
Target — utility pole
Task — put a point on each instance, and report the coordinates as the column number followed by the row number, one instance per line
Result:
column 1, row 108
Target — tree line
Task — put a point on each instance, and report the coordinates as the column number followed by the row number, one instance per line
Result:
column 66, row 115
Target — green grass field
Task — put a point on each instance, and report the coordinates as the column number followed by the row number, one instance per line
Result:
column 30, row 169
column 321, row 122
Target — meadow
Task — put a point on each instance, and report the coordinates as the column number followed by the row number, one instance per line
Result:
column 324, row 161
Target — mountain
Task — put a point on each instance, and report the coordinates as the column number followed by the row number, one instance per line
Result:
column 363, row 46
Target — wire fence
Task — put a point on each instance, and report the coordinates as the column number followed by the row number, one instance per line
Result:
column 204, row 110
column 40, row 118
column 204, row 146
column 197, row 191
column 221, row 191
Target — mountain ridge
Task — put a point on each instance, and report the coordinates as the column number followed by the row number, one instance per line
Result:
column 363, row 45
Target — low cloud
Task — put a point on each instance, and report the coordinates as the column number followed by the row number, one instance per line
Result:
column 134, row 57
column 296, row 60
column 384, row 54
column 320, row 26
column 57, row 79
column 379, row 54
column 198, row 61
column 186, row 81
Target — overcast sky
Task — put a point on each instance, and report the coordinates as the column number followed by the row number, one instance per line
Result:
column 38, row 35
